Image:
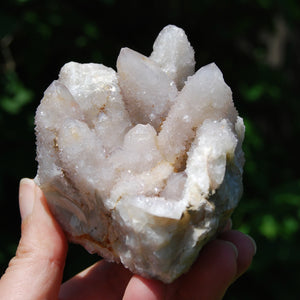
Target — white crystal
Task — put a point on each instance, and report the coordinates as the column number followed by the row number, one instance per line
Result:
column 142, row 166
column 174, row 54
column 148, row 91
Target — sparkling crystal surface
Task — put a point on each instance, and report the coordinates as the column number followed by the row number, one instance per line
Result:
column 142, row 165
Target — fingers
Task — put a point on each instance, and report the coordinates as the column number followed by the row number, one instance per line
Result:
column 211, row 275
column 146, row 289
column 246, row 248
column 103, row 280
column 219, row 263
column 208, row 278
column 36, row 270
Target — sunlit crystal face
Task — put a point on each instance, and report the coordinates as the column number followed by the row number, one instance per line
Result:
column 142, row 165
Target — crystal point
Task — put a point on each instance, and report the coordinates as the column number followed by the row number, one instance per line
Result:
column 144, row 165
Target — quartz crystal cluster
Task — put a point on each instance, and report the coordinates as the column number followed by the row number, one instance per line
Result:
column 144, row 165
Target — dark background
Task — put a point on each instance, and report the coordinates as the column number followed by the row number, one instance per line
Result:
column 256, row 45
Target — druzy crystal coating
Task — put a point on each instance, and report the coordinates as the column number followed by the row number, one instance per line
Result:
column 142, row 165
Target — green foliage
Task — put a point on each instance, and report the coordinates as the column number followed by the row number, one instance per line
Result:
column 15, row 95
column 241, row 36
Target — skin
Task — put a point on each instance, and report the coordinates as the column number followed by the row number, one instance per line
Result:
column 36, row 270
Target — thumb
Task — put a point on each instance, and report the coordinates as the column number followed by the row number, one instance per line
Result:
column 36, row 270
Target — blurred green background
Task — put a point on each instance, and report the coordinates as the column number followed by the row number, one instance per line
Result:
column 254, row 42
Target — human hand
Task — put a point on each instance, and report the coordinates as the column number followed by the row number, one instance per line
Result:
column 36, row 270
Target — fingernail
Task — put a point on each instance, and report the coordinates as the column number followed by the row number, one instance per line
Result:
column 233, row 247
column 253, row 243
column 26, row 197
